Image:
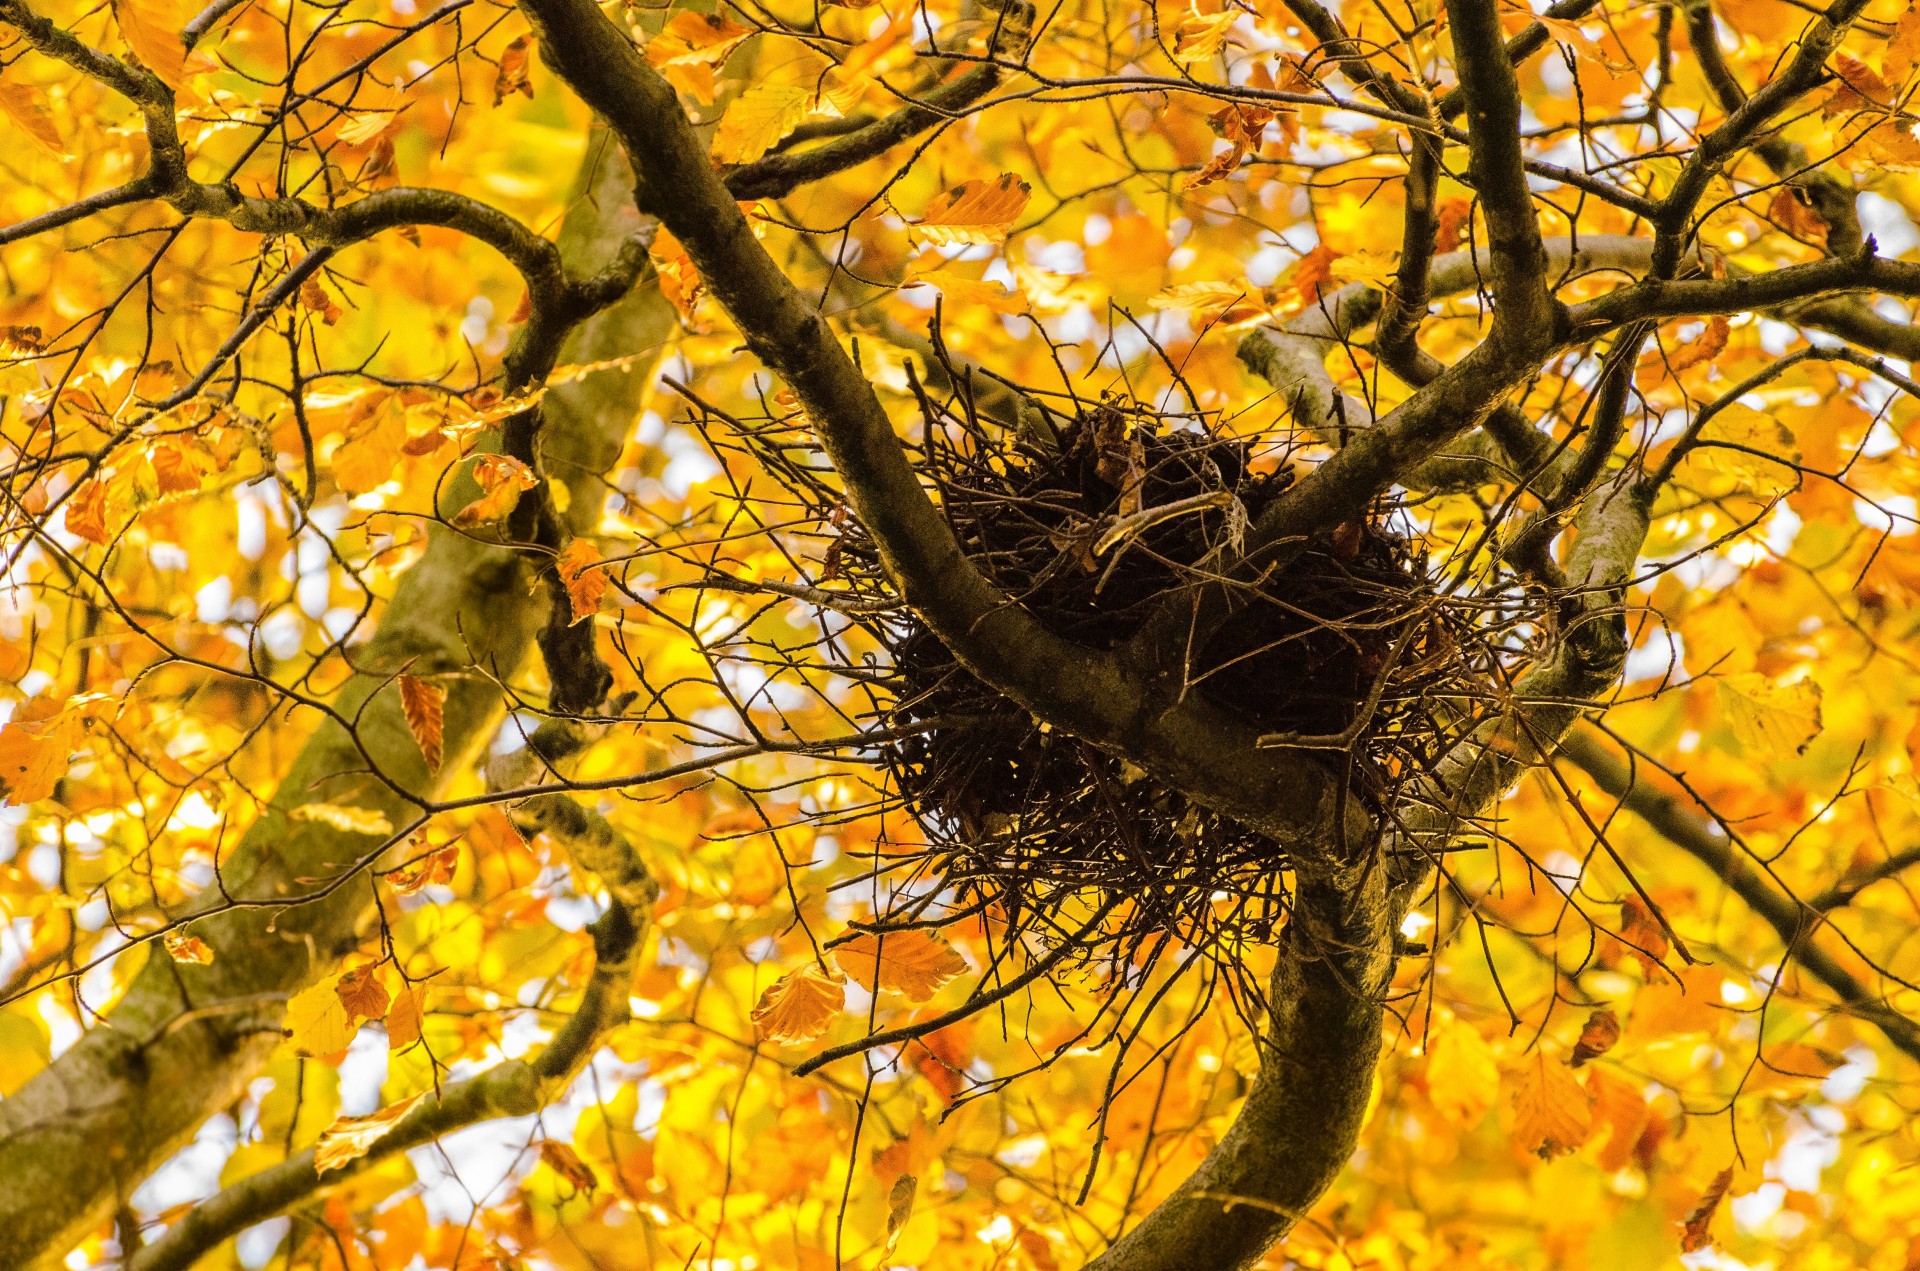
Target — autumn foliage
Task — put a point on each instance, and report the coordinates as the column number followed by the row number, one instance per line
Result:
column 452, row 644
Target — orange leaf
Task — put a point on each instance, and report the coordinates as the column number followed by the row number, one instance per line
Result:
column 1452, row 223
column 26, row 107
column 1642, row 933
column 1792, row 214
column 501, row 479
column 1597, row 1038
column 585, row 584
column 433, row 867
column 798, row 1007
column 350, row 1138
column 1312, row 272
column 314, row 296
column 403, row 1018
column 1693, row 1228
column 151, row 29
column 565, row 1162
column 424, row 706
column 912, row 963
column 514, row 60
column 87, row 512
column 975, row 211
column 1702, row 348
column 190, row 949
column 1903, row 50
column 362, row 994
column 1552, row 1113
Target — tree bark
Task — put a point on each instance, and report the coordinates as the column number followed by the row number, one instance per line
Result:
column 78, row 1138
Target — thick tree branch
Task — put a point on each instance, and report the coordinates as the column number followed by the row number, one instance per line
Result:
column 1196, row 747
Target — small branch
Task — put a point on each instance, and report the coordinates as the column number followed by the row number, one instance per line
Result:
column 1794, row 921
column 514, row 1088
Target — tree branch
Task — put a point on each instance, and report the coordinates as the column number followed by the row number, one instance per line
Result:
column 1794, row 921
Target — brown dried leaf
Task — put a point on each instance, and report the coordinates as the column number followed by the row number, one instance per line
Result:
column 1601, row 1033
column 1552, row 1113
column 900, row 1205
column 314, row 295
column 1693, row 1228
column 350, row 1138
column 799, row 1007
column 424, row 705
column 914, row 964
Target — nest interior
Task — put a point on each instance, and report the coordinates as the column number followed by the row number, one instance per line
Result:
column 1038, row 826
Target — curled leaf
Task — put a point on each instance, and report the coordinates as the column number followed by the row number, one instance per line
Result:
column 424, row 706
column 798, row 1007
column 350, row 1138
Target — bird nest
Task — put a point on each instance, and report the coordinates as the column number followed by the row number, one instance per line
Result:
column 1093, row 536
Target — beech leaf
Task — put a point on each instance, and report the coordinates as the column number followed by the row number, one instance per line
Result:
column 915, row 964
column 350, row 1138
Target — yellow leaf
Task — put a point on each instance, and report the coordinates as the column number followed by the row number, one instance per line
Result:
column 317, row 1023
column 695, row 37
column 34, row 756
column 757, row 120
column 27, row 108
column 1771, row 721
column 977, row 212
column 189, row 949
column 798, row 1007
column 912, row 963
column 1552, row 1113
column 151, row 29
column 585, row 584
column 1223, row 304
column 367, row 458
column 1374, row 268
column 1462, row 1077
column 350, row 1138
column 424, row 706
column 1201, row 35
column 962, row 290
column 1742, row 443
column 346, row 819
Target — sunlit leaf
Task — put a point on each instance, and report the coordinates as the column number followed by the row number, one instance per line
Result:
column 979, row 211
column 915, row 964
column 799, row 1006
column 350, row 1138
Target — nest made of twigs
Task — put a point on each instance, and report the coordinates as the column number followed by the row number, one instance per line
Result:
column 1091, row 538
